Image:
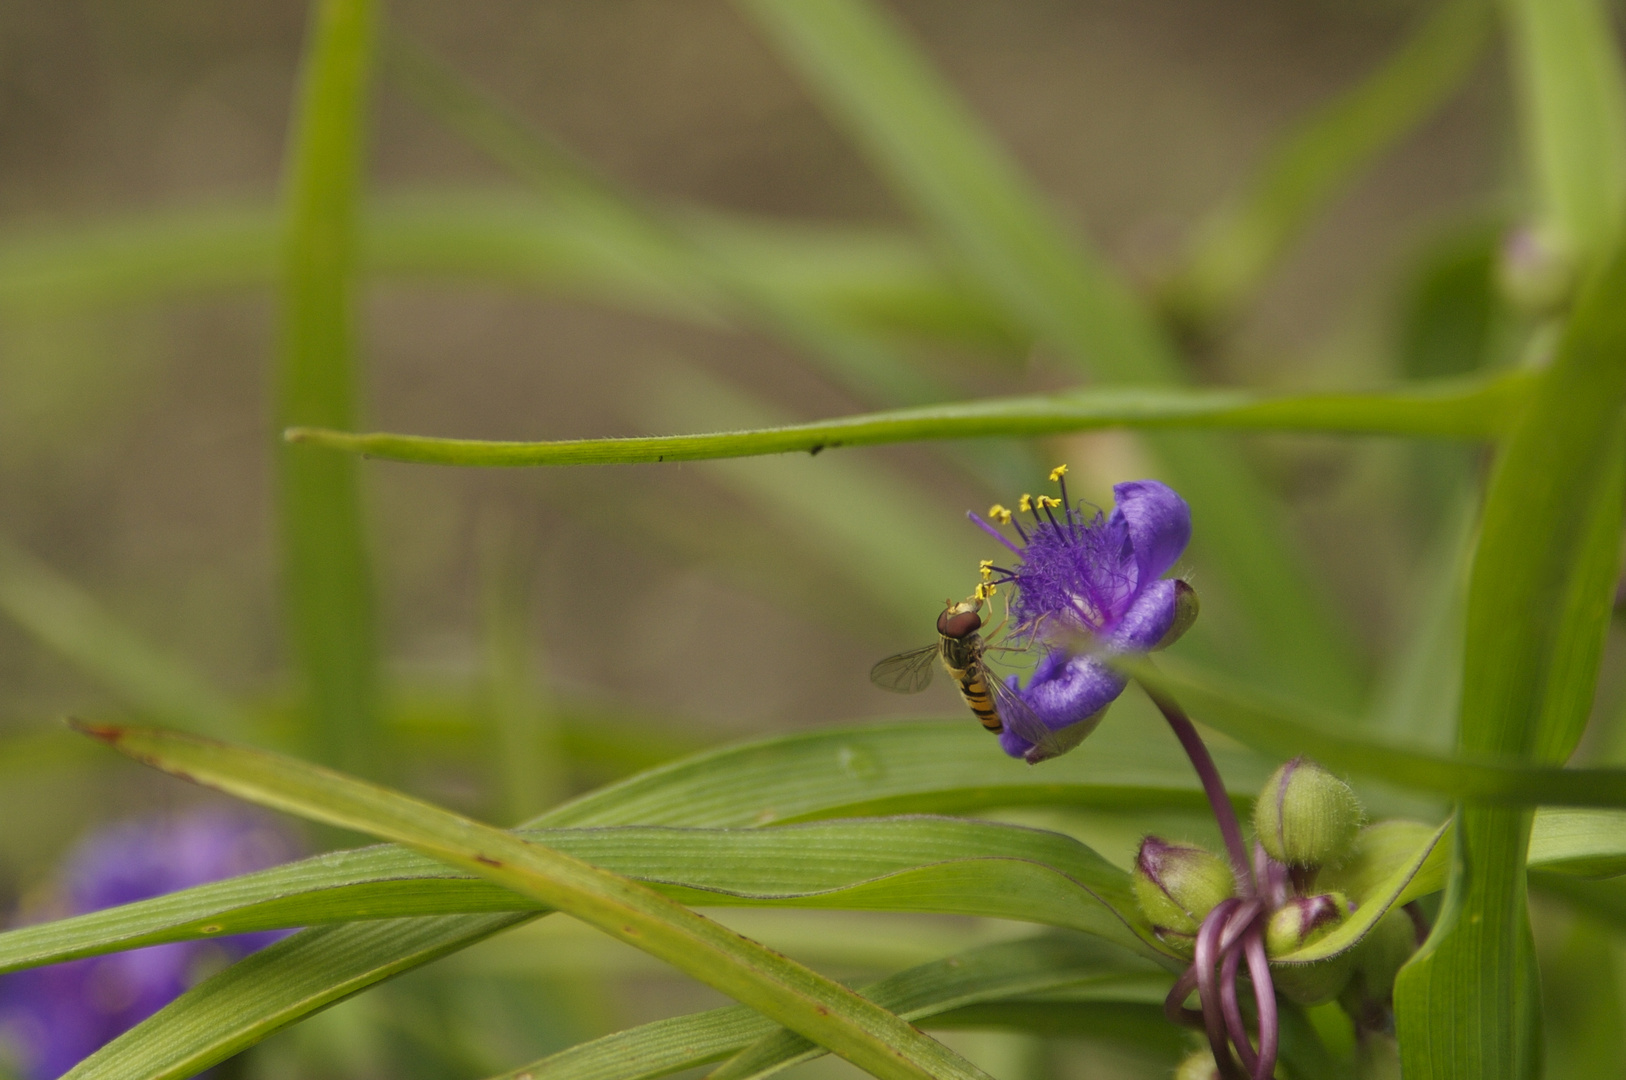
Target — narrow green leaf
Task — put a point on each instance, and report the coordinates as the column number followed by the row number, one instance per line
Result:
column 781, row 989
column 1279, row 728
column 1583, row 843
column 1464, row 409
column 1389, row 867
column 872, row 769
column 1572, row 96
column 945, row 168
column 1529, row 666
column 70, row 622
column 944, row 865
column 324, row 561
column 277, row 986
column 1036, row 966
column 877, row 279
column 976, row 976
column 526, row 756
column 1239, row 244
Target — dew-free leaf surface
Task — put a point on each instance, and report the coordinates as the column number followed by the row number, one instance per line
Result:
column 833, row 1016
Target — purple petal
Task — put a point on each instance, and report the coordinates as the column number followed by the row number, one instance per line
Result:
column 1159, row 524
column 1148, row 619
column 1068, row 693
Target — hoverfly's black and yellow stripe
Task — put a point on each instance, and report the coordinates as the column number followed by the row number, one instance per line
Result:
column 963, row 659
column 976, row 694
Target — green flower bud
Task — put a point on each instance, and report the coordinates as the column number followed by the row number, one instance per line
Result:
column 1376, row 961
column 1185, row 613
column 1177, row 885
column 1300, row 922
column 1536, row 273
column 1306, row 816
column 1199, row 1066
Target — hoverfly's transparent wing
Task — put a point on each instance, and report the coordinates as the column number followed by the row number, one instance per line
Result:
column 907, row 672
column 1015, row 714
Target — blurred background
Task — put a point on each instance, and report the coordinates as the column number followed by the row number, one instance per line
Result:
column 544, row 631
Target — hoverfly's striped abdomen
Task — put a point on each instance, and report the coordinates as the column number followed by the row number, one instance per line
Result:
column 976, row 694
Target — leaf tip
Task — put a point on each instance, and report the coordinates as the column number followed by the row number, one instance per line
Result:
column 107, row 733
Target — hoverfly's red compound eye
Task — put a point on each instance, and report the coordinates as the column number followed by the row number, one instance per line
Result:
column 961, row 624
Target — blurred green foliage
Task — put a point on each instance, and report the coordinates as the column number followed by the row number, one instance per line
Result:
column 983, row 324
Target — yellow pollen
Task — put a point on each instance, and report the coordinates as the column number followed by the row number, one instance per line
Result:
column 1057, row 473
column 999, row 514
column 1045, row 500
column 1025, row 503
column 986, row 568
column 985, row 591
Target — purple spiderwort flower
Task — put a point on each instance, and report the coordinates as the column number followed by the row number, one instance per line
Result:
column 52, row 1017
column 1095, row 577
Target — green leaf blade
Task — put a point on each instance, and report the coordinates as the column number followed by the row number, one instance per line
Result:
column 831, row 1015
column 325, row 565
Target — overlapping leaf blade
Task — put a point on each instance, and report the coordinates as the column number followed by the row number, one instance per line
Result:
column 989, row 973
column 847, row 1024
column 1468, row 1003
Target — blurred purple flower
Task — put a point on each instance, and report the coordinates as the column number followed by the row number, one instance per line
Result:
column 1091, row 579
column 52, row 1017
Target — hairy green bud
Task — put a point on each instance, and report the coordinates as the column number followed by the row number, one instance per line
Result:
column 1185, row 613
column 1199, row 1066
column 1302, row 921
column 1177, row 885
column 1306, row 816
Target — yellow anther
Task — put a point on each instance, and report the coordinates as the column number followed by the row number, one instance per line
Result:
column 1025, row 503
column 1045, row 500
column 986, row 568
column 1057, row 473
column 985, row 591
column 999, row 514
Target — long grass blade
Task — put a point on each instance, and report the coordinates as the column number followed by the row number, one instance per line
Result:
column 1466, row 1004
column 1477, row 408
column 1286, row 729
column 876, row 279
column 327, row 582
column 1572, row 97
column 975, row 976
column 827, row 1013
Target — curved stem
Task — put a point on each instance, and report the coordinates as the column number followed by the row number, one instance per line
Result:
column 1207, row 955
column 1213, row 785
column 1235, row 1026
column 1264, row 996
column 1174, row 1006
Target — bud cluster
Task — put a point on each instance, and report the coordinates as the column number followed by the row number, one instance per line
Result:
column 1306, row 821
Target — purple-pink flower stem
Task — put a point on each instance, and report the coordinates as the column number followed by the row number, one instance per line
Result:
column 1213, row 786
column 1208, row 991
column 1232, row 1008
column 1419, row 922
column 1264, row 996
column 1174, row 1006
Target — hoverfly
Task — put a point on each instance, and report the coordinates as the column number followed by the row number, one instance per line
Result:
column 961, row 649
